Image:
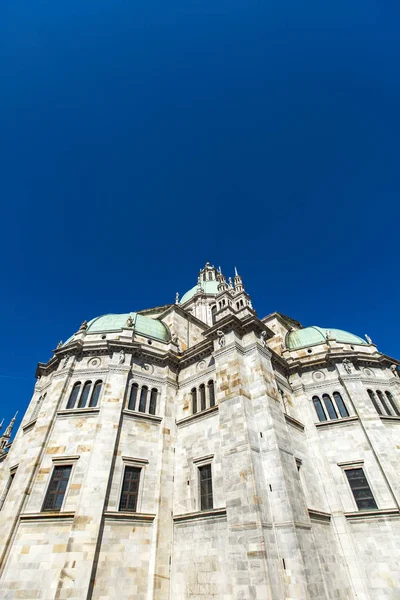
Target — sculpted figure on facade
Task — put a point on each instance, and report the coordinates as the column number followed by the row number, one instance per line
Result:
column 221, row 338
column 348, row 365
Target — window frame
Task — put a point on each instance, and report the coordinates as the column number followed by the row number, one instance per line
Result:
column 92, row 390
column 359, row 465
column 201, row 467
column 75, row 385
column 7, row 487
column 138, row 464
column 58, row 464
column 392, row 401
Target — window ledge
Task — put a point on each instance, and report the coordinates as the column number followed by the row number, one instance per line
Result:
column 129, row 516
column 318, row 515
column 197, row 416
column 140, row 415
column 201, row 514
column 294, row 422
column 29, row 425
column 389, row 418
column 372, row 514
column 78, row 411
column 47, row 516
column 337, row 421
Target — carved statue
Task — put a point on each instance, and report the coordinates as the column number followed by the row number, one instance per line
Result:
column 83, row 327
column 177, row 298
column 129, row 321
column 121, row 356
column 368, row 339
column 264, row 338
column 59, row 344
column 394, row 370
column 348, row 365
column 66, row 359
column 328, row 334
column 221, row 336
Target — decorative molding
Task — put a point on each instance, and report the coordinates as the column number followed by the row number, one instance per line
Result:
column 71, row 458
column 351, row 463
column 372, row 514
column 294, row 422
column 131, row 459
column 389, row 418
column 141, row 416
column 197, row 377
column 317, row 515
column 146, row 518
column 203, row 458
column 47, row 516
column 200, row 515
column 334, row 422
column 29, row 425
column 197, row 416
column 76, row 412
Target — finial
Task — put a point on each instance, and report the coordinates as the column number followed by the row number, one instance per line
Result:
column 8, row 431
column 1, row 424
column 177, row 298
column 236, row 273
column 368, row 339
column 230, row 283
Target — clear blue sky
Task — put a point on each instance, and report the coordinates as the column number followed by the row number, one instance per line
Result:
column 141, row 139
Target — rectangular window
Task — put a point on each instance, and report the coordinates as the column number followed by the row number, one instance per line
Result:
column 6, row 489
column 361, row 491
column 57, row 488
column 206, row 496
column 130, row 489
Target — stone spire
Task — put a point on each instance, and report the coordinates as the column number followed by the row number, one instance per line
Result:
column 239, row 287
column 5, row 438
column 222, row 285
column 8, row 431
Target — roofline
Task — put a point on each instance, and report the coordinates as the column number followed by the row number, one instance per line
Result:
column 285, row 320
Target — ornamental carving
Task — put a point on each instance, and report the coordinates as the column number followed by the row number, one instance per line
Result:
column 201, row 365
column 318, row 376
column 94, row 362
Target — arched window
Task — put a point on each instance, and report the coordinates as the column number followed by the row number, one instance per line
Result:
column 153, row 401
column 340, row 404
column 329, row 406
column 319, row 408
column 213, row 311
column 143, row 398
column 133, row 396
column 392, row 402
column 74, row 395
column 374, row 401
column 202, row 389
column 37, row 407
column 94, row 399
column 210, row 275
column 194, row 400
column 84, row 395
column 211, row 393
column 383, row 402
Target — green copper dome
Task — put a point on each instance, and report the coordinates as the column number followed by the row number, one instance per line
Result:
column 209, row 287
column 310, row 336
column 142, row 325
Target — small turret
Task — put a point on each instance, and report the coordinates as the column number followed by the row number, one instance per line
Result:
column 5, row 438
column 239, row 287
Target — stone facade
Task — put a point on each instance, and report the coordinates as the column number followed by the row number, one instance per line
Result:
column 276, row 414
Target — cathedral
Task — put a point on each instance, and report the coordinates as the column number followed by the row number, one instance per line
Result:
column 195, row 451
